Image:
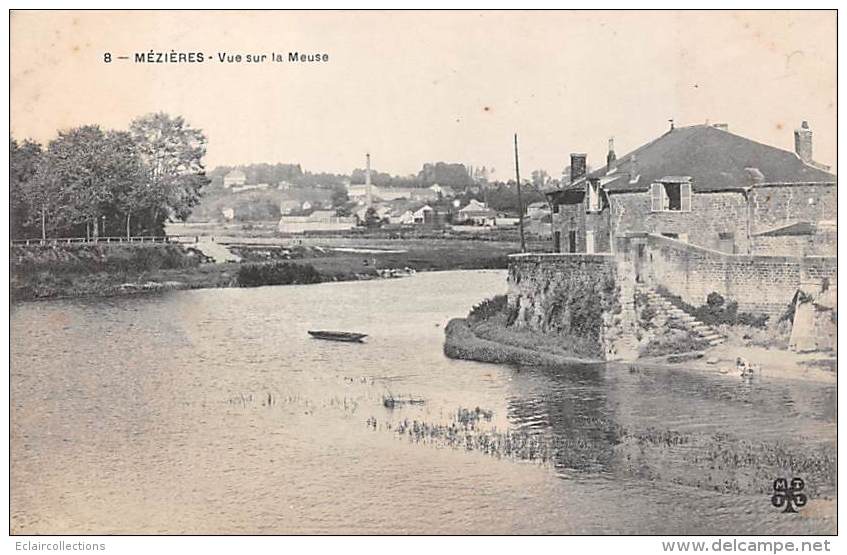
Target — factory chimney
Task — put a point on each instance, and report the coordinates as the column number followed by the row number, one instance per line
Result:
column 368, row 178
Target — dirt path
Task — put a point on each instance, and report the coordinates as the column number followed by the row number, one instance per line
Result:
column 217, row 252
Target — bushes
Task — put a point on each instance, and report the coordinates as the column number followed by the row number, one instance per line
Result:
column 488, row 308
column 276, row 273
column 716, row 311
column 673, row 341
column 112, row 258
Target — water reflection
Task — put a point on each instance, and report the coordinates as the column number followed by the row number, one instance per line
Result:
column 213, row 412
column 703, row 430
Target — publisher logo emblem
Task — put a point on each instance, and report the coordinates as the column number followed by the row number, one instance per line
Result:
column 789, row 495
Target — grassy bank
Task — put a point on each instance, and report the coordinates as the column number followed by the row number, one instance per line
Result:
column 60, row 271
column 462, row 341
column 487, row 335
column 56, row 271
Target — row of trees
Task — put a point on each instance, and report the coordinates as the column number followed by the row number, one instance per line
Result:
column 93, row 182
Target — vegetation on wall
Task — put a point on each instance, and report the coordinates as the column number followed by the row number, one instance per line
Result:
column 576, row 311
column 489, row 308
column 716, row 311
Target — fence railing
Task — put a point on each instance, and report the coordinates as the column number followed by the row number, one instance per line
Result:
column 93, row 240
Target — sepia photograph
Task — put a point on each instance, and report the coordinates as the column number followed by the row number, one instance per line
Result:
column 428, row 272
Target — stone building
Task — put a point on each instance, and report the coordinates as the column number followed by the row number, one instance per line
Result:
column 705, row 186
column 235, row 178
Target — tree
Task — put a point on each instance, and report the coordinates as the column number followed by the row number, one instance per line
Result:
column 339, row 196
column 453, row 175
column 371, row 218
column 24, row 160
column 172, row 152
column 72, row 182
column 540, row 178
column 129, row 191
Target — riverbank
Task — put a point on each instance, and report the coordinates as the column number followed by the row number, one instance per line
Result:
column 462, row 341
column 488, row 338
column 67, row 271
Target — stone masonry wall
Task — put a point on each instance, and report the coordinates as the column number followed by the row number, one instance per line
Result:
column 711, row 214
column 574, row 296
column 760, row 284
column 776, row 205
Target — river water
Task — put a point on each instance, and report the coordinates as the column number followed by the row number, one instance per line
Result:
column 212, row 411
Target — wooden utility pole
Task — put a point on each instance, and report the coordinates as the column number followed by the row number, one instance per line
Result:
column 520, row 198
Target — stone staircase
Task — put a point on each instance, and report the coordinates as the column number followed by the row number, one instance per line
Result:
column 217, row 252
column 666, row 309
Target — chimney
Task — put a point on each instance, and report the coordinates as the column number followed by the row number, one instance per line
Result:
column 577, row 165
column 610, row 157
column 803, row 142
column 368, row 177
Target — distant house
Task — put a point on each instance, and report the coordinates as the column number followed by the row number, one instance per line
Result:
column 506, row 220
column 538, row 219
column 235, row 178
column 536, row 207
column 402, row 216
column 443, row 190
column 319, row 220
column 254, row 186
column 228, row 213
column 705, row 186
column 286, row 207
column 476, row 212
column 382, row 211
column 424, row 215
column 359, row 192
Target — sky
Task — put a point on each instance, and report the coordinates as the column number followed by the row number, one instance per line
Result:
column 416, row 87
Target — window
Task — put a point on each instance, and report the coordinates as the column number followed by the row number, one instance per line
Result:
column 671, row 197
column 589, row 242
column 592, row 196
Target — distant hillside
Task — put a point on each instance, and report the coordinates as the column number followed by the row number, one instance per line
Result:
column 260, row 204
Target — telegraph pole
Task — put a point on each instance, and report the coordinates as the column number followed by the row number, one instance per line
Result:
column 520, row 198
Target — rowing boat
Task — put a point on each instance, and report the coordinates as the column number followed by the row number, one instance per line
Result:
column 348, row 336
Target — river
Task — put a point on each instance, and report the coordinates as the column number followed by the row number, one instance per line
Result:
column 212, row 411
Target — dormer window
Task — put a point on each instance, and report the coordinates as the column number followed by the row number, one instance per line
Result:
column 671, row 196
column 592, row 196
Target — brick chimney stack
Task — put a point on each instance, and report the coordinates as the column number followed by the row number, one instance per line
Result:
column 611, row 157
column 577, row 165
column 803, row 142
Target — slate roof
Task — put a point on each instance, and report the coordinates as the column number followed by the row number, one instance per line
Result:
column 715, row 159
